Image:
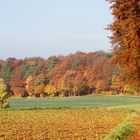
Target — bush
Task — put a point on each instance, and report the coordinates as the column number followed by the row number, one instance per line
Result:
column 3, row 96
column 109, row 93
column 129, row 90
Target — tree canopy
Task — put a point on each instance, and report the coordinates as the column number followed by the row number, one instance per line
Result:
column 126, row 37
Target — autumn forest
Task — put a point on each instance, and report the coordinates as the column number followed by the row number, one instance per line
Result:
column 73, row 75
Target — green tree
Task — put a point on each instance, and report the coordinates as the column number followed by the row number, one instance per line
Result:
column 75, row 64
column 39, row 80
column 31, row 68
column 6, row 72
column 52, row 61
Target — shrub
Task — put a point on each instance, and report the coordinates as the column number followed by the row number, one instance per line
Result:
column 129, row 90
column 108, row 93
column 3, row 96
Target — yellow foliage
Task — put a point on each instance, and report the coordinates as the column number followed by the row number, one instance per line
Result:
column 3, row 96
column 39, row 89
column 129, row 89
column 50, row 90
column 109, row 93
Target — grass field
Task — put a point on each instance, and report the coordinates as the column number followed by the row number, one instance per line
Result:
column 75, row 118
column 74, row 102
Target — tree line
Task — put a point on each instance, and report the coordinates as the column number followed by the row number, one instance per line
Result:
column 73, row 75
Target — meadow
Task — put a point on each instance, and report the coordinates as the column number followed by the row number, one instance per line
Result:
column 72, row 118
column 73, row 102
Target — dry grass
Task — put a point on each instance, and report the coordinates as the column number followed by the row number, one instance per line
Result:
column 82, row 124
column 136, row 134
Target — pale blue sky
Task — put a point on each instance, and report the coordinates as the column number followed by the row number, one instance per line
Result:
column 52, row 27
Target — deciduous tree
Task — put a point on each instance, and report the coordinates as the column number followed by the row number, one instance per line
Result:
column 126, row 37
column 51, row 90
column 17, row 84
column 30, row 85
column 40, row 90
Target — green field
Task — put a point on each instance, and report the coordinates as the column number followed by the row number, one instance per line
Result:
column 73, row 102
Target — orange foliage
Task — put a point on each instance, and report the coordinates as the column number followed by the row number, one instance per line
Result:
column 40, row 90
column 30, row 85
column 126, row 37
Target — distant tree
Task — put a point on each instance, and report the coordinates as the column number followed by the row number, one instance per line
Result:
column 51, row 90
column 126, row 37
column 117, row 84
column 75, row 64
column 61, row 88
column 31, row 68
column 52, row 61
column 80, row 85
column 30, row 85
column 68, row 82
column 17, row 84
column 40, row 90
column 39, row 79
column 6, row 71
column 102, row 85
